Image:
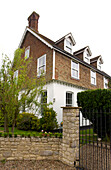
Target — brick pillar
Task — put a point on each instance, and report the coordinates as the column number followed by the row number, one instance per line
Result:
column 70, row 142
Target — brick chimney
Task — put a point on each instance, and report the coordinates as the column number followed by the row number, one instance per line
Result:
column 33, row 21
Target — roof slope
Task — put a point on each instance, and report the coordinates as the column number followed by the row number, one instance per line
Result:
column 54, row 46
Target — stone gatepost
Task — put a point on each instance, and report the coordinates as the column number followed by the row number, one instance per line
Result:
column 70, row 142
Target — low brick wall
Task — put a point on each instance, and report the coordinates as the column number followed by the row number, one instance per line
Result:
column 29, row 148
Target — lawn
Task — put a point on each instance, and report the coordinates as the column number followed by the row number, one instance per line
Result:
column 29, row 133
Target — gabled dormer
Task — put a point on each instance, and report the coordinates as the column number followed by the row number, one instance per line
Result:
column 83, row 54
column 66, row 43
column 97, row 62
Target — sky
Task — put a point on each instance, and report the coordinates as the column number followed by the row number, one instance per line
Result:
column 89, row 21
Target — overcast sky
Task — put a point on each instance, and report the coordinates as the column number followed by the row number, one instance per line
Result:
column 88, row 20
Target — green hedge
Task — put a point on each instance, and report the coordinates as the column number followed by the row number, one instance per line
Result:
column 95, row 106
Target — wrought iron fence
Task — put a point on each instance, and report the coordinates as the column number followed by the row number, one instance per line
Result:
column 95, row 139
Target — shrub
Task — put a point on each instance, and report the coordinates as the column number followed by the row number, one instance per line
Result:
column 28, row 121
column 48, row 121
column 15, row 135
column 97, row 103
column 22, row 135
column 5, row 135
column 0, row 134
column 28, row 135
column 10, row 135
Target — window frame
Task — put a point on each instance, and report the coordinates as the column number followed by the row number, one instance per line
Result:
column 72, row 61
column 15, row 74
column 43, row 98
column 105, row 82
column 94, row 77
column 68, row 104
column 42, row 66
column 66, row 46
column 27, row 50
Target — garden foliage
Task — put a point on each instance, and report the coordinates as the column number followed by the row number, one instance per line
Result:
column 96, row 106
column 28, row 121
column 48, row 121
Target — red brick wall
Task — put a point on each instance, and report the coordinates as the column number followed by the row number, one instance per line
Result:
column 61, row 44
column 37, row 49
column 63, row 73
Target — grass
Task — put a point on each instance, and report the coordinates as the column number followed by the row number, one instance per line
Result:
column 87, row 131
column 28, row 133
column 20, row 132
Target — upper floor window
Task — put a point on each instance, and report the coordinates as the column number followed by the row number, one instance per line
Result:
column 68, row 45
column 93, row 77
column 105, row 83
column 74, row 70
column 27, row 52
column 16, row 74
column 69, row 99
column 41, row 65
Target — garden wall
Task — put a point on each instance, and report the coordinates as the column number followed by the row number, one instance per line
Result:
column 29, row 148
column 65, row 149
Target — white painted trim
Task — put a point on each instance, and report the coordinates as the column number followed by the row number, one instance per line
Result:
column 37, row 36
column 94, row 77
column 53, row 74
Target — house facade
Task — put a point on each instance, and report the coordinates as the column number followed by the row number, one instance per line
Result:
column 66, row 72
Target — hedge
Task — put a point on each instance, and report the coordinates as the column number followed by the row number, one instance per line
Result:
column 96, row 106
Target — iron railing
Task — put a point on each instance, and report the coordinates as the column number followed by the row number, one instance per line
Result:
column 95, row 139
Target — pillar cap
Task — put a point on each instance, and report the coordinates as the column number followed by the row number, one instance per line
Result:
column 71, row 107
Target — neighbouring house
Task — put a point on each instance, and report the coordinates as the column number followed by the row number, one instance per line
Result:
column 66, row 72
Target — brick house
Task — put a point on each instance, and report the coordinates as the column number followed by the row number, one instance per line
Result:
column 66, row 72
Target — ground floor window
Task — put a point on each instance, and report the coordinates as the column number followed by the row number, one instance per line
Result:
column 43, row 100
column 68, row 99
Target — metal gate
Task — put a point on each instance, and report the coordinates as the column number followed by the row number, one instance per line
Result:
column 95, row 139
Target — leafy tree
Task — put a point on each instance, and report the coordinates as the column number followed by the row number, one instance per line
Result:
column 18, row 91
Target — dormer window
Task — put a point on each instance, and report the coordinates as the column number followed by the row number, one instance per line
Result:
column 86, row 57
column 99, row 64
column 68, row 45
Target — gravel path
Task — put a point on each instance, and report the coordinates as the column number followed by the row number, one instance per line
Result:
column 34, row 165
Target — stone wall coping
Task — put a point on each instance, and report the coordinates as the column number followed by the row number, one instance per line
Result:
column 71, row 107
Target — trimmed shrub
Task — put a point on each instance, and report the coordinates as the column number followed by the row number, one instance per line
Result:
column 28, row 121
column 95, row 105
column 48, row 121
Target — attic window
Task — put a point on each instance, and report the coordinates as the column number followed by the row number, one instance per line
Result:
column 68, row 45
column 99, row 64
column 86, row 57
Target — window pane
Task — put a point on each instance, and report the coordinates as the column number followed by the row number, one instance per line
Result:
column 75, row 73
column 68, row 99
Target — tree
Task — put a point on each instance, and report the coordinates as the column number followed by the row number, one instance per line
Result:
column 18, row 91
